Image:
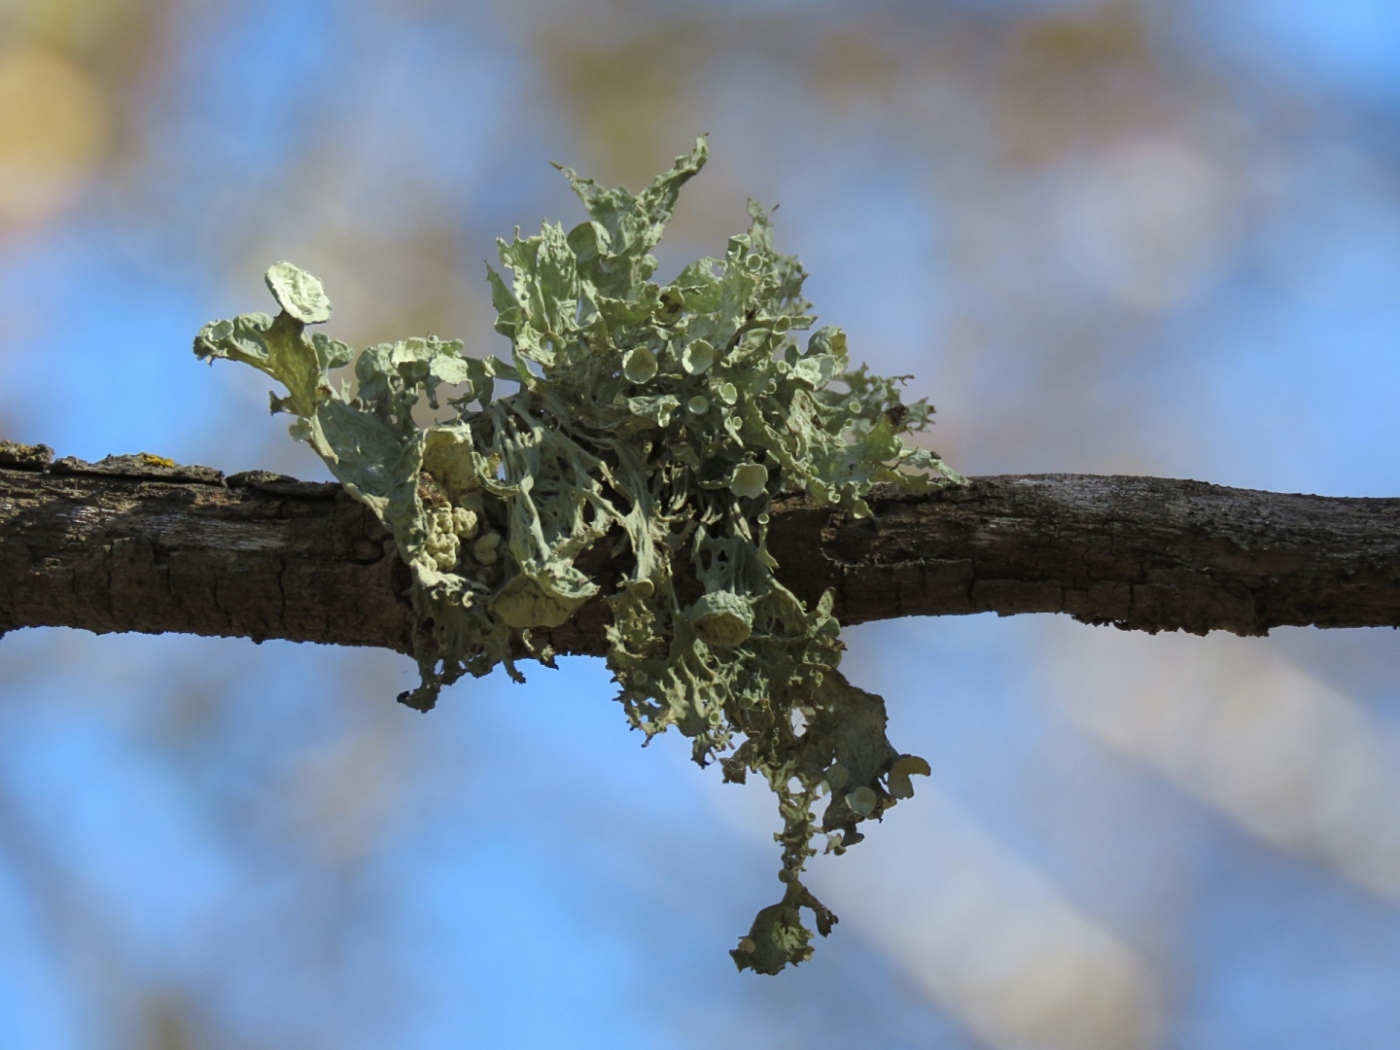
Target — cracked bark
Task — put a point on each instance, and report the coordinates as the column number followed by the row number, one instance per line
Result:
column 122, row 546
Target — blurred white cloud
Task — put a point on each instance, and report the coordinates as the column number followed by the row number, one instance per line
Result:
column 1149, row 221
column 1232, row 721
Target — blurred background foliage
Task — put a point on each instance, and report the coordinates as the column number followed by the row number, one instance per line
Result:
column 1104, row 235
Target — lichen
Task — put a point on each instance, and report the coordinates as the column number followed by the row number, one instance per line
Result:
column 659, row 422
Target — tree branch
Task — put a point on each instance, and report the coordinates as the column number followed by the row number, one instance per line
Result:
column 132, row 545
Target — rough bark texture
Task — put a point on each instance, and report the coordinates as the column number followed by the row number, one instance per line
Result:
column 130, row 544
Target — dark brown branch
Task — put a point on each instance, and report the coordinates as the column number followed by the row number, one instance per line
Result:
column 129, row 545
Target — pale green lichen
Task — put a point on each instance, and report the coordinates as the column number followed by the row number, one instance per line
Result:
column 608, row 438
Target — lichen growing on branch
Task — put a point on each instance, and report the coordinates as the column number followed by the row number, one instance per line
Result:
column 658, row 422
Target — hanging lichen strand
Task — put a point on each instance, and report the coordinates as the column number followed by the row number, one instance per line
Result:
column 658, row 421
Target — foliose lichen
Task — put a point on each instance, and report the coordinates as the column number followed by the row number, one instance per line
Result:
column 658, row 422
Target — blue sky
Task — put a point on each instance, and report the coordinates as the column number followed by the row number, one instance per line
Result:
column 257, row 842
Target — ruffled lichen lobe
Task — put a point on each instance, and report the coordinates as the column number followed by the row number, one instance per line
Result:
column 662, row 420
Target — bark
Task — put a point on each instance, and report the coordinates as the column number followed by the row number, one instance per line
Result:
column 133, row 545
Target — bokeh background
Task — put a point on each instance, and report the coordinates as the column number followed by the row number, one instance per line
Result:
column 1104, row 236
